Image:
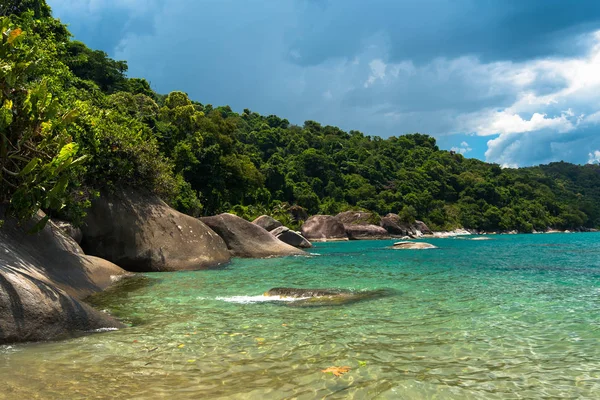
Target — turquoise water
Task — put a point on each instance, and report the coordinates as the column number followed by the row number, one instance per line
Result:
column 512, row 317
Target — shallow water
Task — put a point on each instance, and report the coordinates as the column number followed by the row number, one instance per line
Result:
column 513, row 317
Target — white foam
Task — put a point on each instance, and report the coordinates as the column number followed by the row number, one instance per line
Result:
column 258, row 299
column 104, row 330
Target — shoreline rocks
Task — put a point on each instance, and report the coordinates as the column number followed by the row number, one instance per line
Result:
column 267, row 222
column 141, row 233
column 286, row 235
column 323, row 228
column 247, row 240
column 43, row 278
column 366, row 232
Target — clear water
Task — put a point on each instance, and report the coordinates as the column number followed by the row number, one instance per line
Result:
column 513, row 317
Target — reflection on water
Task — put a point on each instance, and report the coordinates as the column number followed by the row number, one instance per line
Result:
column 507, row 318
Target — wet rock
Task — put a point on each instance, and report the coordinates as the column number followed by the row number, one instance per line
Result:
column 245, row 239
column 413, row 246
column 327, row 297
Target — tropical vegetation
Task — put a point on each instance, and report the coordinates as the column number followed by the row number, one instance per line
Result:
column 73, row 126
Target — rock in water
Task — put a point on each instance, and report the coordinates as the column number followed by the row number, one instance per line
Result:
column 141, row 233
column 396, row 227
column 326, row 297
column 422, row 227
column 290, row 237
column 413, row 246
column 266, row 222
column 245, row 239
column 43, row 276
column 366, row 232
column 323, row 227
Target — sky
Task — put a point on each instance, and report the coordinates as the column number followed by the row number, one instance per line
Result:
column 512, row 82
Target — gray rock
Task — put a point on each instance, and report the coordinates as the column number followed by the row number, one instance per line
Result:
column 141, row 233
column 290, row 237
column 267, row 222
column 358, row 218
column 422, row 227
column 323, row 227
column 326, row 297
column 43, row 277
column 366, row 232
column 413, row 246
column 70, row 229
column 396, row 227
column 245, row 239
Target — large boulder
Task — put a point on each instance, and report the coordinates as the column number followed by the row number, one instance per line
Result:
column 43, row 278
column 396, row 227
column 358, row 218
column 70, row 229
column 245, row 239
column 286, row 235
column 323, row 227
column 267, row 222
column 422, row 227
column 366, row 232
column 141, row 233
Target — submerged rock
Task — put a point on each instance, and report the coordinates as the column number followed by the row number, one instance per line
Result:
column 245, row 239
column 286, row 235
column 267, row 222
column 323, row 227
column 366, row 232
column 141, row 233
column 43, row 278
column 413, row 246
column 326, row 297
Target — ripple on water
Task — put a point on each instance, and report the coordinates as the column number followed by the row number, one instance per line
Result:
column 489, row 319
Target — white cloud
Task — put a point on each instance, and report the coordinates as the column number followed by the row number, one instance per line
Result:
column 533, row 111
column 594, row 158
column 463, row 149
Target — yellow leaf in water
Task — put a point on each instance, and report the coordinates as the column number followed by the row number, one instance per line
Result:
column 191, row 361
column 260, row 339
column 181, row 346
column 337, row 371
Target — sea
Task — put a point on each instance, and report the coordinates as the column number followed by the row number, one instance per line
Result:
column 507, row 317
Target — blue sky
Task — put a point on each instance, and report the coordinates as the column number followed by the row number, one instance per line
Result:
column 508, row 81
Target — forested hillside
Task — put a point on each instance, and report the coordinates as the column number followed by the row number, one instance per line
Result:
column 73, row 126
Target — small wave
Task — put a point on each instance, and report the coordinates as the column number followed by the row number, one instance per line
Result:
column 103, row 330
column 258, row 299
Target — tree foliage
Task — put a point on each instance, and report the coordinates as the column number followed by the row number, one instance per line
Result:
column 74, row 125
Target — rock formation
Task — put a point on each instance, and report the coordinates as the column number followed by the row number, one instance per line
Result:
column 141, row 233
column 245, row 239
